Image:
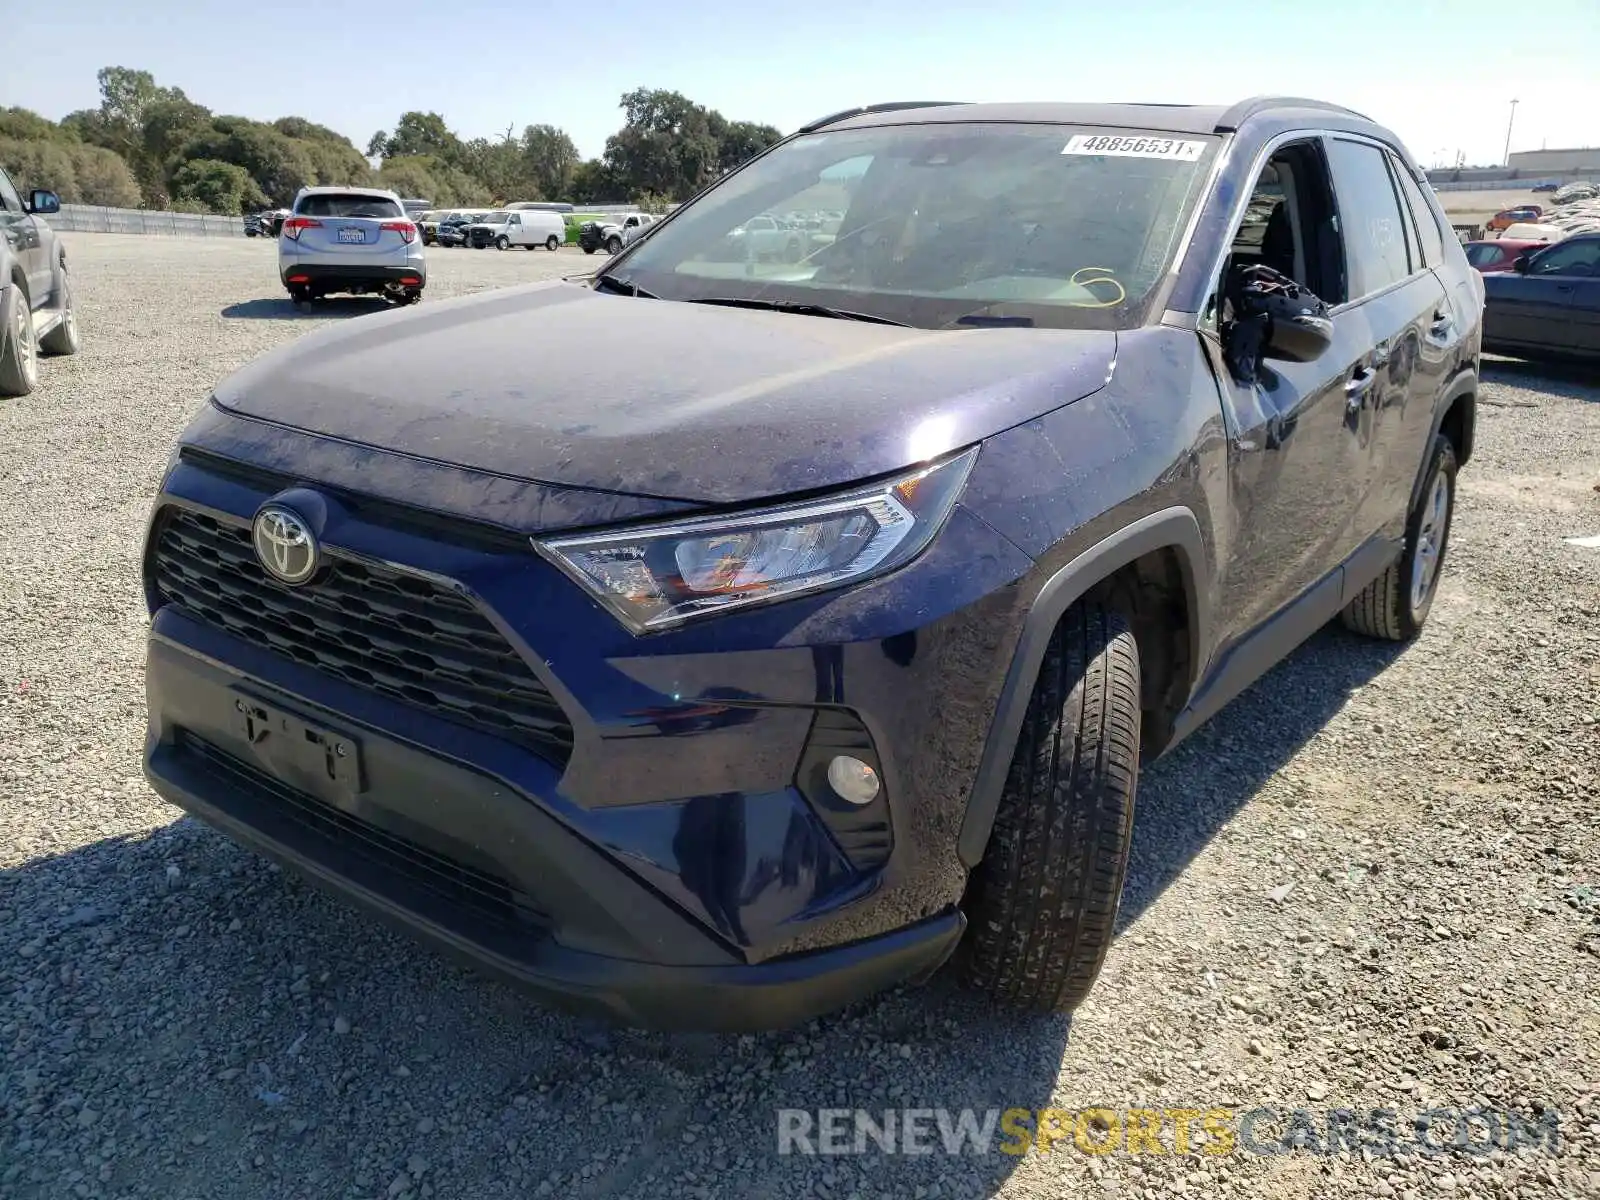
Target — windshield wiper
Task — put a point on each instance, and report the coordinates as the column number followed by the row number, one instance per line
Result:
column 622, row 287
column 800, row 308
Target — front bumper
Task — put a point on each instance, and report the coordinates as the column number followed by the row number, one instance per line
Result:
column 678, row 867
column 475, row 914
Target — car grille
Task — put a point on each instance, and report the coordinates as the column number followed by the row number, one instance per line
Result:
column 485, row 894
column 390, row 632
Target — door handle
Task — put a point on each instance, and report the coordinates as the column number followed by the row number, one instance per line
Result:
column 1357, row 387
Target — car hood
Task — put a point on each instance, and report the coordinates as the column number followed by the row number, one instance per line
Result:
column 555, row 383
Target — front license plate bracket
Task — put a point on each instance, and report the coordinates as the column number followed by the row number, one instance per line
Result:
column 300, row 751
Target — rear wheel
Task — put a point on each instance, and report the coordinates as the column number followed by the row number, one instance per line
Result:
column 19, row 352
column 63, row 339
column 552, row 243
column 1395, row 604
column 1043, row 902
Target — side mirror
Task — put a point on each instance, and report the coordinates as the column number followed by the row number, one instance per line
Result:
column 1272, row 317
column 1302, row 337
column 43, row 203
column 1520, row 264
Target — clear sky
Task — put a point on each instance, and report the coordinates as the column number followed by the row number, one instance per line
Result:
column 1442, row 75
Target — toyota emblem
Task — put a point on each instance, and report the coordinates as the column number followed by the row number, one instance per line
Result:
column 284, row 544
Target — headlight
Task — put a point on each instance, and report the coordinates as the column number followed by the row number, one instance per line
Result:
column 663, row 575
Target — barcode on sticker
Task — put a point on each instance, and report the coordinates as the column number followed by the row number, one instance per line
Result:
column 1126, row 146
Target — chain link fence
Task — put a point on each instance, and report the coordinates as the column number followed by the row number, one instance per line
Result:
column 93, row 218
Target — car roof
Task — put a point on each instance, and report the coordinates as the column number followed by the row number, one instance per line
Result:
column 1171, row 118
column 325, row 190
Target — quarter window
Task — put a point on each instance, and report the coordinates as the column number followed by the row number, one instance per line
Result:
column 1369, row 213
column 1427, row 223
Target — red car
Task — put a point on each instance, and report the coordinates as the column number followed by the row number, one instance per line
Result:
column 1492, row 257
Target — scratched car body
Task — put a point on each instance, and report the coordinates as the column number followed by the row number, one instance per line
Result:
column 819, row 640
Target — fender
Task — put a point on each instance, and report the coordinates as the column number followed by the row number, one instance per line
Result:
column 1465, row 384
column 1170, row 528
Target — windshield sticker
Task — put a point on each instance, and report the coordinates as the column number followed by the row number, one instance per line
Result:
column 1123, row 146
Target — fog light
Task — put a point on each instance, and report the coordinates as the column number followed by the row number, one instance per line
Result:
column 853, row 779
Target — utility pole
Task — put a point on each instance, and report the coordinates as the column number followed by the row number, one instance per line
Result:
column 1509, row 123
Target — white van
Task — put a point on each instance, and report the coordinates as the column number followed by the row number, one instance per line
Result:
column 525, row 227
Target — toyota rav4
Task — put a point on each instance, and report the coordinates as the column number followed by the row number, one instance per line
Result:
column 819, row 638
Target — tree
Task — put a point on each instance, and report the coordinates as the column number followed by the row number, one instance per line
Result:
column 24, row 125
column 431, row 179
column 550, row 159
column 417, row 133
column 740, row 141
column 220, row 186
column 279, row 165
column 593, row 182
column 78, row 174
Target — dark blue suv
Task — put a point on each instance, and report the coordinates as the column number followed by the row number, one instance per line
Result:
column 946, row 463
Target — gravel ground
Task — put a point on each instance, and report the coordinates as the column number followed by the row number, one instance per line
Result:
column 1370, row 883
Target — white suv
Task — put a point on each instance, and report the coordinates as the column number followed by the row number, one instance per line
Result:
column 351, row 239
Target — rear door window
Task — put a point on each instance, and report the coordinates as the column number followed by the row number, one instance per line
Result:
column 339, row 205
column 1375, row 236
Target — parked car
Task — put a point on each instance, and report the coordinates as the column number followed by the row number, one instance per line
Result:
column 267, row 223
column 766, row 236
column 428, row 225
column 1547, row 186
column 451, row 229
column 612, row 235
column 818, row 640
column 526, row 227
column 37, row 315
column 350, row 239
column 1512, row 216
column 1548, row 305
column 1490, row 257
column 486, row 230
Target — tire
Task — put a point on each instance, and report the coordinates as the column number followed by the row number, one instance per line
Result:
column 552, row 243
column 502, row 242
column 19, row 352
column 613, row 245
column 1042, row 905
column 588, row 249
column 1395, row 605
column 63, row 339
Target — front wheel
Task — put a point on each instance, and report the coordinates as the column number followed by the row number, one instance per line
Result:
column 588, row 249
column 63, row 339
column 1042, row 904
column 502, row 242
column 1395, row 604
column 552, row 243
column 19, row 351
column 613, row 245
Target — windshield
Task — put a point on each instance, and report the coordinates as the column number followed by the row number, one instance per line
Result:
column 332, row 205
column 940, row 225
column 494, row 218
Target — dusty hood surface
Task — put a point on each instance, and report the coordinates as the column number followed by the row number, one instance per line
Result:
column 559, row 384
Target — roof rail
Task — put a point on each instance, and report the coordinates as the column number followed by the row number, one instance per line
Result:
column 864, row 109
column 1239, row 113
